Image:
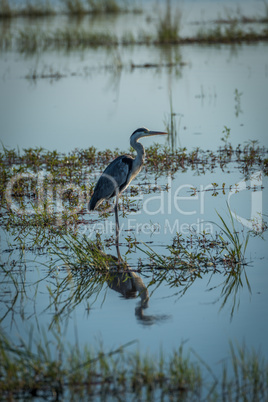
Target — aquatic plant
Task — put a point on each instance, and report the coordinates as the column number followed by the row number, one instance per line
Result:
column 64, row 178
column 75, row 7
column 230, row 34
column 202, row 252
column 236, row 247
column 87, row 373
column 32, row 9
column 168, row 27
column 237, row 17
column 78, row 252
column 37, row 8
column 172, row 126
column 104, row 6
column 5, row 9
column 29, row 40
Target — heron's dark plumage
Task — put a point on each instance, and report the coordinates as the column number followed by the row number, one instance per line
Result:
column 115, row 178
column 140, row 130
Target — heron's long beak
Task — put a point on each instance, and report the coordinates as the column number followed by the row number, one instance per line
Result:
column 157, row 133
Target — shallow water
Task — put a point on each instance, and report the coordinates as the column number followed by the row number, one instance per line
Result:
column 96, row 103
column 102, row 108
column 199, row 317
column 100, row 100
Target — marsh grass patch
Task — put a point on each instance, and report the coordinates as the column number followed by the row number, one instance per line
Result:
column 68, row 177
column 73, row 8
column 32, row 40
column 100, row 373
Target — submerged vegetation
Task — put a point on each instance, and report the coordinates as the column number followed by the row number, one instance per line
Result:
column 248, row 156
column 26, row 374
column 166, row 29
column 54, row 187
column 236, row 17
column 32, row 40
column 47, row 212
column 78, row 269
column 33, row 9
column 55, row 263
column 30, row 9
column 231, row 34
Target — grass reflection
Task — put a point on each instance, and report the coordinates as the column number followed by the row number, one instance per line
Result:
column 85, row 267
column 231, row 287
column 30, row 40
column 120, row 372
column 73, row 8
column 88, row 268
column 80, row 271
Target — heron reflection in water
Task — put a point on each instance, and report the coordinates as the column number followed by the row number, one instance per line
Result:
column 129, row 284
column 118, row 175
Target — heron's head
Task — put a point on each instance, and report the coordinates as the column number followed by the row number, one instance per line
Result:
column 144, row 132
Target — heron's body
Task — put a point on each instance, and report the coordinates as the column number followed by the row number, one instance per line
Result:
column 121, row 170
column 119, row 173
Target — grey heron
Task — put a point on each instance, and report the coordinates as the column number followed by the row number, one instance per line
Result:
column 118, row 175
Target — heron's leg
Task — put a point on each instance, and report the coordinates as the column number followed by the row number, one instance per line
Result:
column 117, row 228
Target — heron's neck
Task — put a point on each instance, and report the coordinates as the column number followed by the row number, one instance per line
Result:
column 139, row 148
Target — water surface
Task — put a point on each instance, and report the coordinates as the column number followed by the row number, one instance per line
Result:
column 98, row 100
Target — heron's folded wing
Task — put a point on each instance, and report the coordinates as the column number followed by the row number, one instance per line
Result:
column 113, row 179
column 117, row 174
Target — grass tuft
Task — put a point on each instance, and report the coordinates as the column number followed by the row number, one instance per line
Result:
column 236, row 247
column 39, row 8
column 169, row 26
column 78, row 252
column 75, row 7
column 230, row 34
column 104, row 7
column 69, row 38
column 31, row 40
column 5, row 9
column 91, row 374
